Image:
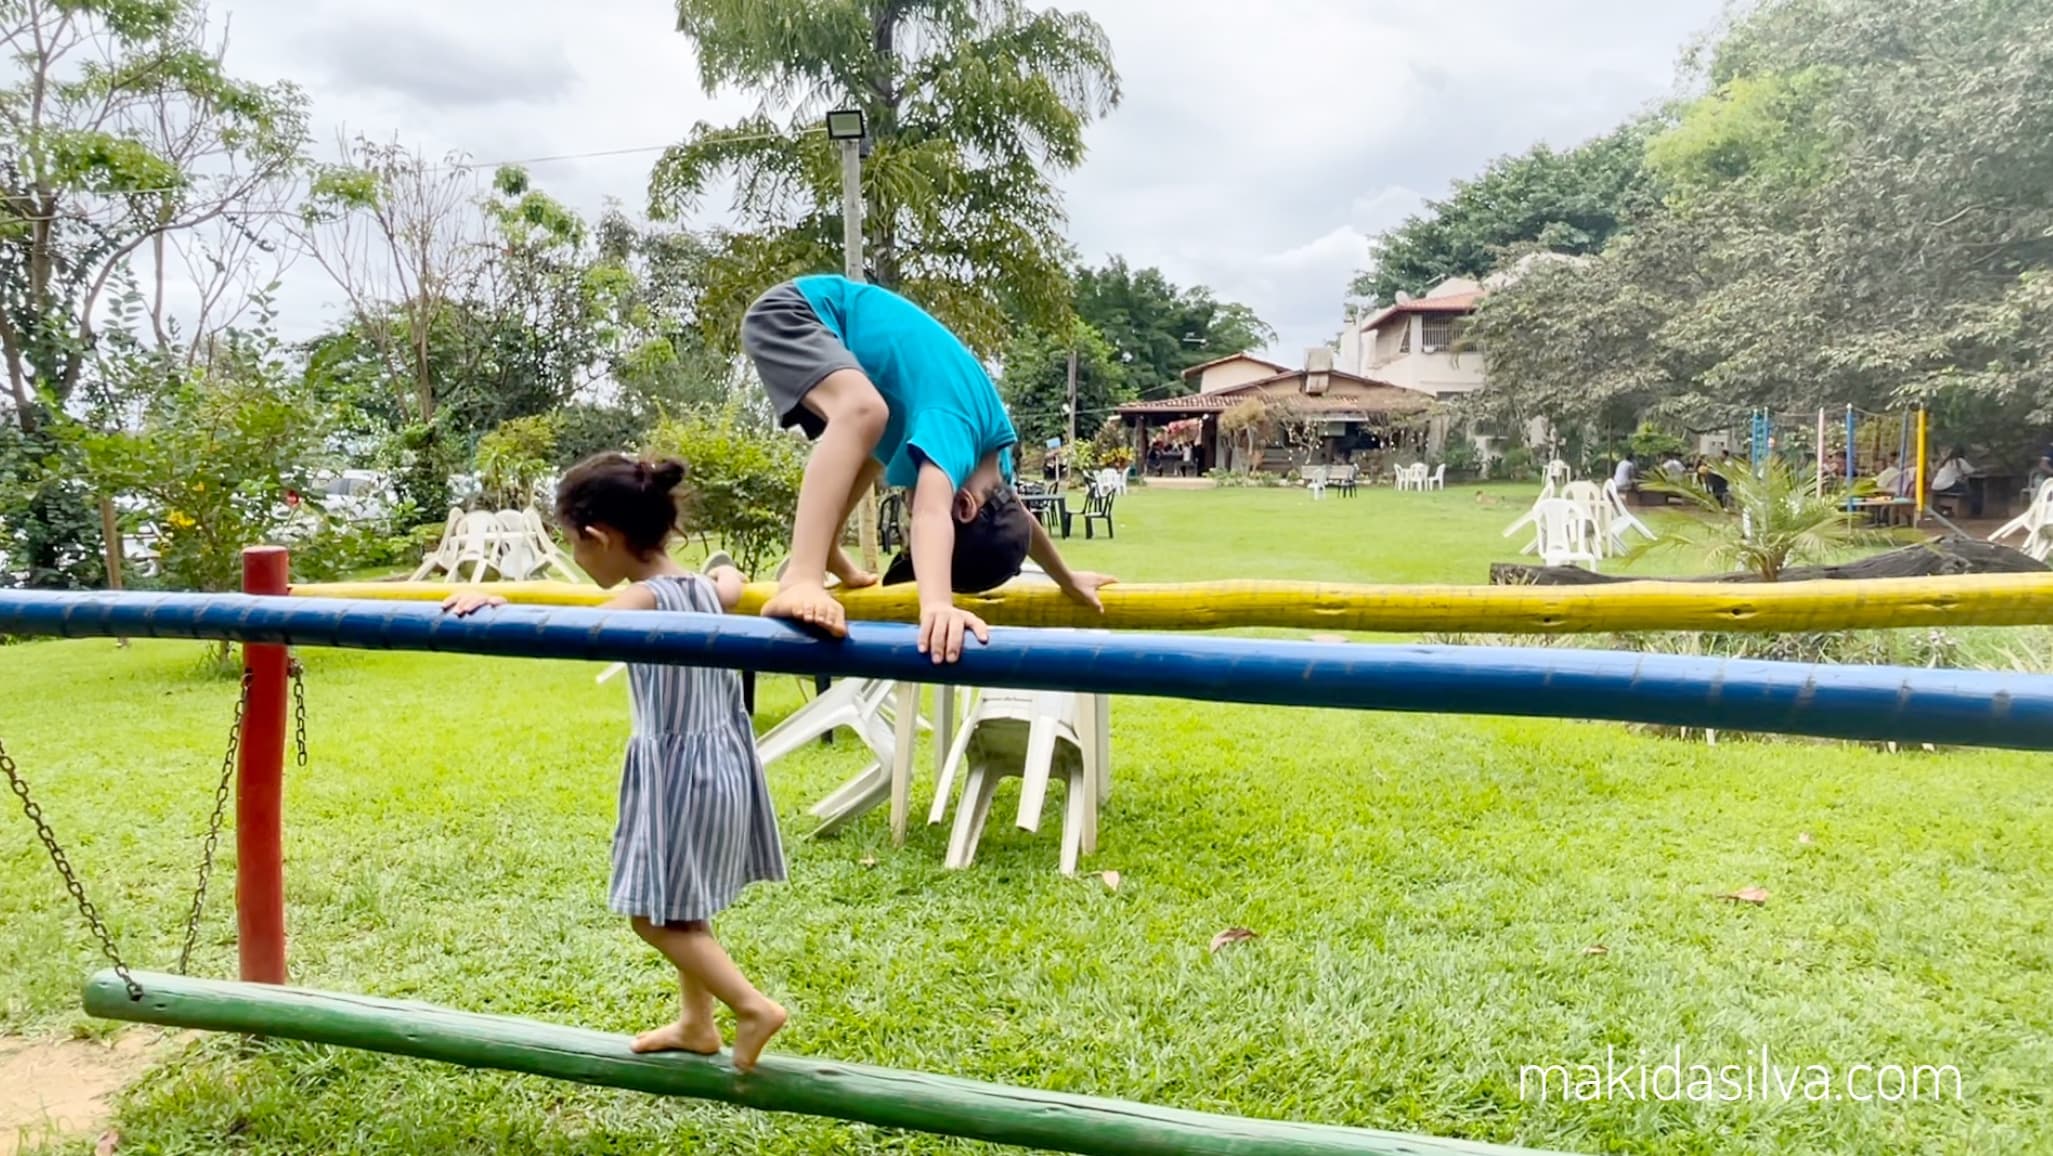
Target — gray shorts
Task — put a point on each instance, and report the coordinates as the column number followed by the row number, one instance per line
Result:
column 793, row 351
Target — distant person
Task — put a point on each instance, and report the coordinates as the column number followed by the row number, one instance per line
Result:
column 1717, row 478
column 1626, row 476
column 1951, row 481
column 1674, row 468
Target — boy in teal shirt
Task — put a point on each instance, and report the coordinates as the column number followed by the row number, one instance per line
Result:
column 881, row 387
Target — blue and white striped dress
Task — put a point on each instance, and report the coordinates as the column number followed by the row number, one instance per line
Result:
column 696, row 822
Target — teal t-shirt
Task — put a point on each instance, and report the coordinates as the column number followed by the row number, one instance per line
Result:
column 943, row 407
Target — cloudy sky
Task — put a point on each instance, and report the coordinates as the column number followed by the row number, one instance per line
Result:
column 1259, row 144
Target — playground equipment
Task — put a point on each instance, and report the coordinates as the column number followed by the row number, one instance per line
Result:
column 1953, row 600
column 1899, row 704
column 1866, row 438
column 896, row 1099
column 1954, row 707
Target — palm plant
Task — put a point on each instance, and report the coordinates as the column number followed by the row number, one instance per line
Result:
column 1771, row 519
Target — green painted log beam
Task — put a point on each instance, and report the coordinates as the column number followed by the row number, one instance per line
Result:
column 781, row 1083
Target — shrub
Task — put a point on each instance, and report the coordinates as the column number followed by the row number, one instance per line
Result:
column 514, row 458
column 1519, row 464
column 741, row 481
column 1460, row 456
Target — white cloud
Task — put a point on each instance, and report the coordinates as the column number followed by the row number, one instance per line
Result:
column 1255, row 146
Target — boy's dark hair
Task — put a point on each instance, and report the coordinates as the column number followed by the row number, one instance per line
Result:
column 989, row 549
column 623, row 493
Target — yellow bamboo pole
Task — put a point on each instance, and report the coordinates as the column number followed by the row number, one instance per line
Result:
column 1955, row 600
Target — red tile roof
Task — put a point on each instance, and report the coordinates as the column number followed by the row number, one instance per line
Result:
column 1452, row 303
column 1219, row 401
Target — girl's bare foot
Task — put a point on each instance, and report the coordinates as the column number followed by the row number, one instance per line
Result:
column 753, row 1027
column 702, row 1038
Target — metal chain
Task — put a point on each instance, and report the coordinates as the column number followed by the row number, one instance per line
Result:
column 299, row 709
column 71, row 883
column 199, row 894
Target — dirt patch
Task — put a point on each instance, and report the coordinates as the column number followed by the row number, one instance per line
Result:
column 54, row 1088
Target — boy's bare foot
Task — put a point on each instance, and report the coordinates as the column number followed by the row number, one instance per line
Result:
column 753, row 1027
column 702, row 1038
column 850, row 575
column 856, row 578
column 811, row 604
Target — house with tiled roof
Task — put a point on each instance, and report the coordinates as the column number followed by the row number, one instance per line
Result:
column 1360, row 414
column 1415, row 343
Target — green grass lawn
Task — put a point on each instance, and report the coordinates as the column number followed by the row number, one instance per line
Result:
column 1428, row 893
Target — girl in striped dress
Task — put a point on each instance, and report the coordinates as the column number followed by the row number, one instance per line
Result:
column 696, row 823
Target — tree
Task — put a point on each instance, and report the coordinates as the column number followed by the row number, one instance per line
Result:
column 468, row 312
column 645, row 281
column 1158, row 329
column 121, row 127
column 1249, row 421
column 741, row 480
column 1562, row 202
column 1302, row 428
column 514, row 458
column 1035, row 383
column 219, row 449
column 403, row 239
column 973, row 107
column 1856, row 209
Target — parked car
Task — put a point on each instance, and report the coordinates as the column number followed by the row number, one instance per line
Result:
column 356, row 495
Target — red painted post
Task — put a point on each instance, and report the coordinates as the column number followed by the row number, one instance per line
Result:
column 259, row 787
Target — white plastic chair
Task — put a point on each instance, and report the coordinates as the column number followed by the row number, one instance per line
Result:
column 1037, row 736
column 2036, row 524
column 1622, row 519
column 1588, row 498
column 517, row 558
column 553, row 557
column 1111, row 481
column 856, row 704
column 1566, row 533
column 1530, row 518
column 477, row 543
column 1315, row 481
column 867, row 707
column 1437, row 482
column 1558, row 474
column 442, row 556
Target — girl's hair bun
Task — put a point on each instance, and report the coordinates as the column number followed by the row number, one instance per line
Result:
column 665, row 475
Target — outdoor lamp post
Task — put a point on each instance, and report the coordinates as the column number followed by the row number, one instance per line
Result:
column 848, row 128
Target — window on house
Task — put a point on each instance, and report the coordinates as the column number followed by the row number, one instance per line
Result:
column 1440, row 333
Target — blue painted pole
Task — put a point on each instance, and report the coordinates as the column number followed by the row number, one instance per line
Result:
column 1970, row 708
